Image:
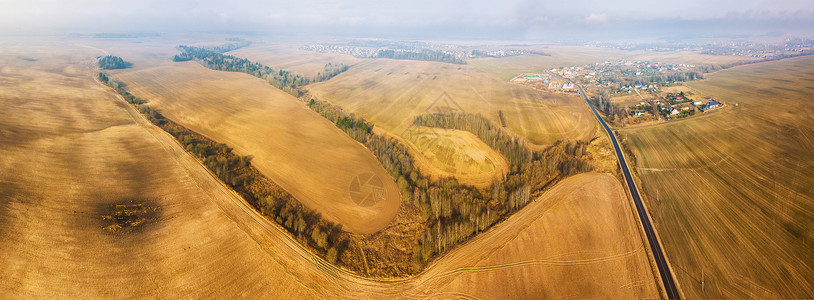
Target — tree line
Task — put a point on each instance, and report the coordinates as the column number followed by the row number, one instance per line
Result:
column 356, row 127
column 287, row 81
column 281, row 79
column 111, row 62
column 620, row 79
column 716, row 67
column 308, row 226
column 329, row 71
column 615, row 113
column 237, row 44
column 424, row 54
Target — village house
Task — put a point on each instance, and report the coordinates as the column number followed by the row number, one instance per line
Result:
column 711, row 105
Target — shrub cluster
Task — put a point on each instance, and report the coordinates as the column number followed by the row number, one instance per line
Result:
column 111, row 62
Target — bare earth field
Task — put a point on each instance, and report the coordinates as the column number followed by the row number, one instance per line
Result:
column 391, row 92
column 579, row 240
column 96, row 202
column 292, row 145
column 732, row 192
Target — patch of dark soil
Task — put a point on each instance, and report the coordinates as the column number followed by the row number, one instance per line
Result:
column 7, row 191
column 128, row 216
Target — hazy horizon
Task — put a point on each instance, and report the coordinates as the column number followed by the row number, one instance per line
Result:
column 515, row 20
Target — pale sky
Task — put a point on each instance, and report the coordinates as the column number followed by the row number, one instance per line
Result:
column 473, row 18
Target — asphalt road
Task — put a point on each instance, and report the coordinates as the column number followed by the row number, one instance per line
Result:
column 655, row 246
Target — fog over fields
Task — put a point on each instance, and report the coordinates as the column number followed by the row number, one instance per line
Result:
column 457, row 19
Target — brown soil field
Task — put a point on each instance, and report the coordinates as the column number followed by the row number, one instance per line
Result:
column 732, row 192
column 97, row 203
column 592, row 222
column 288, row 56
column 295, row 147
column 390, row 93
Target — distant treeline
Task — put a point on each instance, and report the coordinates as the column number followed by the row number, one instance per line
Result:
column 356, row 127
column 111, row 35
column 289, row 82
column 424, row 54
column 482, row 53
column 111, row 62
column 308, row 226
column 237, row 43
column 630, row 79
column 281, row 79
column 716, row 67
column 330, row 71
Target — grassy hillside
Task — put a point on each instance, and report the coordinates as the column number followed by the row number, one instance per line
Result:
column 732, row 192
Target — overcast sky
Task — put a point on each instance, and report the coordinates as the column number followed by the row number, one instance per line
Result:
column 510, row 19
